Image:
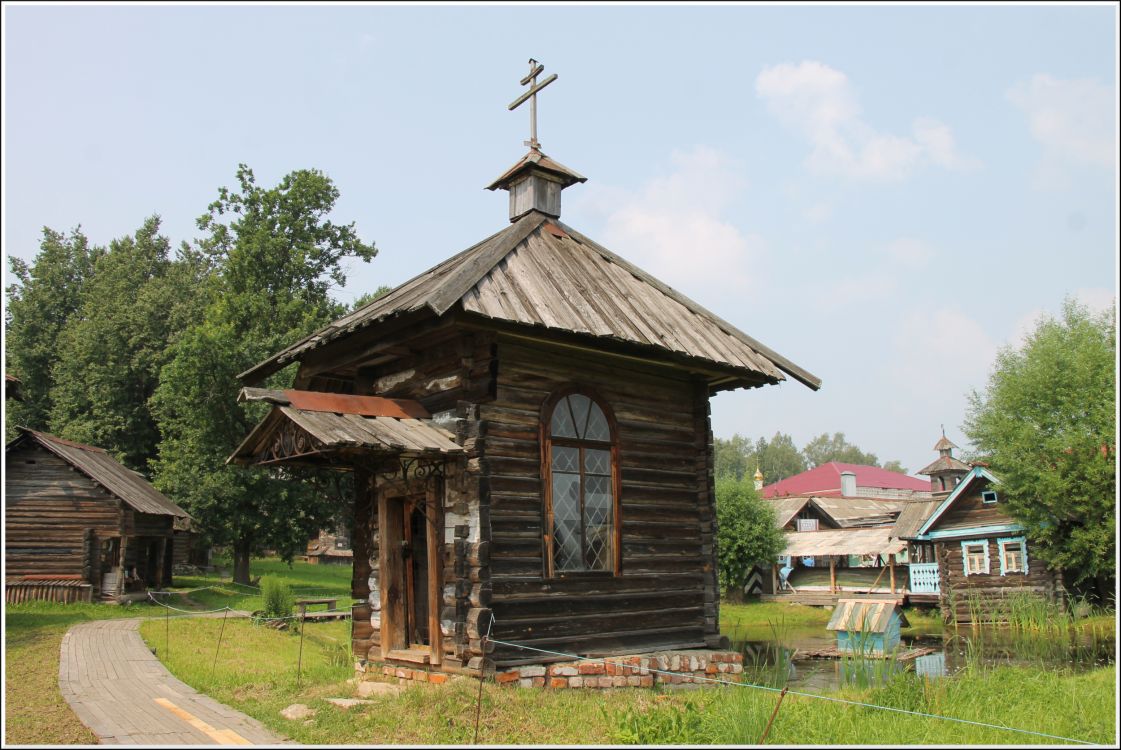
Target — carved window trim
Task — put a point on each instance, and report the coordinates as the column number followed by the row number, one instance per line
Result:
column 547, row 441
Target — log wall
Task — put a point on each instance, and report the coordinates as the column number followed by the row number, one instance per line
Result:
column 665, row 594
column 984, row 597
column 48, row 508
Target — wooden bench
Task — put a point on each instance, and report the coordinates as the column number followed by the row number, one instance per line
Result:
column 331, row 603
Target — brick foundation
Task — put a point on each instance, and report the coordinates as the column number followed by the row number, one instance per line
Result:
column 668, row 668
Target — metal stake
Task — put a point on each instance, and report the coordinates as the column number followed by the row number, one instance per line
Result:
column 300, row 661
column 220, row 633
column 482, row 672
column 773, row 715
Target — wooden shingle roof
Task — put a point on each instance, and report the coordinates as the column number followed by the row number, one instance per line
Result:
column 120, row 481
column 912, row 517
column 864, row 615
column 540, row 273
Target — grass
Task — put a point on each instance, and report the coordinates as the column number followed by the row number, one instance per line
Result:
column 36, row 712
column 754, row 622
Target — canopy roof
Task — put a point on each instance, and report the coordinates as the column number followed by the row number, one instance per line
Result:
column 542, row 274
column 120, row 481
column 873, row 541
column 307, row 427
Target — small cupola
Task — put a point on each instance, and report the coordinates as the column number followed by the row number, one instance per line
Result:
column 536, row 181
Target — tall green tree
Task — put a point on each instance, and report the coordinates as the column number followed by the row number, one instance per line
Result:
column 1046, row 423
column 731, row 457
column 136, row 300
column 825, row 448
column 896, row 466
column 275, row 255
column 42, row 299
column 747, row 533
column 778, row 458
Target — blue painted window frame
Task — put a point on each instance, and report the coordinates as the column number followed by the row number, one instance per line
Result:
column 1006, row 541
column 965, row 557
column 988, row 497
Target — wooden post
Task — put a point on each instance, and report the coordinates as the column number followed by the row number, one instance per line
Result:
column 360, row 535
column 891, row 562
column 391, row 574
column 435, row 566
column 121, row 569
column 774, row 578
column 162, row 556
column 832, row 574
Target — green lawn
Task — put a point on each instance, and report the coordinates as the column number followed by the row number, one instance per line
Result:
column 256, row 673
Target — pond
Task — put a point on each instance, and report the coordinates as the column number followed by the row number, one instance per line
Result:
column 776, row 661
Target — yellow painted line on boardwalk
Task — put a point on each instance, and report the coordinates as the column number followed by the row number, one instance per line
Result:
column 221, row 736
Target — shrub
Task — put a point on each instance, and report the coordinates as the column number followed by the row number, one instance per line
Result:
column 279, row 599
column 746, row 532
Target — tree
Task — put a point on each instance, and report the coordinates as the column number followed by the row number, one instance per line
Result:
column 747, row 532
column 275, row 255
column 731, row 457
column 895, row 466
column 778, row 458
column 45, row 295
column 823, row 449
column 1046, row 424
column 368, row 297
column 135, row 301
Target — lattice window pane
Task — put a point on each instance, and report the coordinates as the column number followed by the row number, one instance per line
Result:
column 581, row 405
column 598, row 428
column 566, row 545
column 566, row 521
column 597, row 462
column 562, row 421
column 597, row 522
column 566, row 459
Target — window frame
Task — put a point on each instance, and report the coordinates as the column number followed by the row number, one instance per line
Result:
column 547, row 441
column 965, row 556
column 986, row 495
column 1008, row 542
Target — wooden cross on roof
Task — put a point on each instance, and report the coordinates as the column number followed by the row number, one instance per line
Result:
column 535, row 69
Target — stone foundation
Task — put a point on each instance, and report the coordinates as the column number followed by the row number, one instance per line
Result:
column 667, row 668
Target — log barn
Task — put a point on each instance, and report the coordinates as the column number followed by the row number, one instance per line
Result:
column 983, row 558
column 79, row 526
column 528, row 425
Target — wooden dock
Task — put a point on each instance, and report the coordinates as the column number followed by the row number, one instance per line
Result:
column 832, row 652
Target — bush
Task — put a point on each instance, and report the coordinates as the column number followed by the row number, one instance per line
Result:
column 279, row 599
column 747, row 534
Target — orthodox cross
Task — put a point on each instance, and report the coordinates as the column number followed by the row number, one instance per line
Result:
column 535, row 70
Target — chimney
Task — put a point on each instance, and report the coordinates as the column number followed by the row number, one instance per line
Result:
column 848, row 484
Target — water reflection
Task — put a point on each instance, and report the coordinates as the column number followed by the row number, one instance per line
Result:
column 778, row 662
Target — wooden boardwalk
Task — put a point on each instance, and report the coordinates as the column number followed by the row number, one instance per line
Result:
column 124, row 694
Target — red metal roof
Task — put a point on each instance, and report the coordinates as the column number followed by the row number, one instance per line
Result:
column 363, row 406
column 826, row 480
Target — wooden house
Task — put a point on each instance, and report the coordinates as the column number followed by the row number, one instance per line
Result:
column 330, row 547
column 79, row 526
column 983, row 557
column 869, row 626
column 528, row 423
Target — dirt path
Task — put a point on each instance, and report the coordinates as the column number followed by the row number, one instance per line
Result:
column 124, row 694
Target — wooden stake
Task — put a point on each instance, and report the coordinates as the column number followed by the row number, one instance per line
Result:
column 220, row 634
column 891, row 563
column 774, row 713
column 300, row 659
column 832, row 575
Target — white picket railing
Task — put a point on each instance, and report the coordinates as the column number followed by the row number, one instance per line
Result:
column 924, row 578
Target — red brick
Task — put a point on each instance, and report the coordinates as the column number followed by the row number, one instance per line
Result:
column 388, row 671
column 606, row 682
column 503, row 677
column 633, row 681
column 711, row 669
column 647, row 681
column 420, row 676
column 611, row 668
column 437, row 679
column 405, row 674
column 538, row 681
column 619, row 681
column 558, row 682
column 591, row 668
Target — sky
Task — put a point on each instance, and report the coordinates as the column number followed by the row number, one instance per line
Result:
column 885, row 195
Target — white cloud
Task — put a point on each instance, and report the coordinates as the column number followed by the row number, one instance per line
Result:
column 1074, row 119
column 672, row 225
column 820, row 102
column 1097, row 299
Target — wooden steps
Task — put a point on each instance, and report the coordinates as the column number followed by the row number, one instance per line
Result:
column 411, row 655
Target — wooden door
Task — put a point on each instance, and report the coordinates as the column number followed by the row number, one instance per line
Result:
column 409, row 573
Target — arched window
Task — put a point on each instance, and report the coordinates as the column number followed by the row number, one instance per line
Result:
column 581, row 476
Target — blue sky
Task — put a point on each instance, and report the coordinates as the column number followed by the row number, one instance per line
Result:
column 885, row 195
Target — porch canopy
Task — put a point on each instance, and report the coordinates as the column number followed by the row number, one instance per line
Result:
column 874, row 541
column 332, row 430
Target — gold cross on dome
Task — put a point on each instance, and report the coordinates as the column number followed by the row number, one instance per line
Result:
column 535, row 69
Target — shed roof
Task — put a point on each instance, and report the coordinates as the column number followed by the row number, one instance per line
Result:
column 873, row 541
column 123, row 483
column 826, row 480
column 337, row 423
column 864, row 615
column 541, row 273
column 912, row 517
column 859, row 511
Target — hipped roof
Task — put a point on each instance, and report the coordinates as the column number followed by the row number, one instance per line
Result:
column 117, row 479
column 826, row 479
column 944, row 463
column 542, row 274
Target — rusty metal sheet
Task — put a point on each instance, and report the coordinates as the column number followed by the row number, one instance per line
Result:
column 363, row 406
